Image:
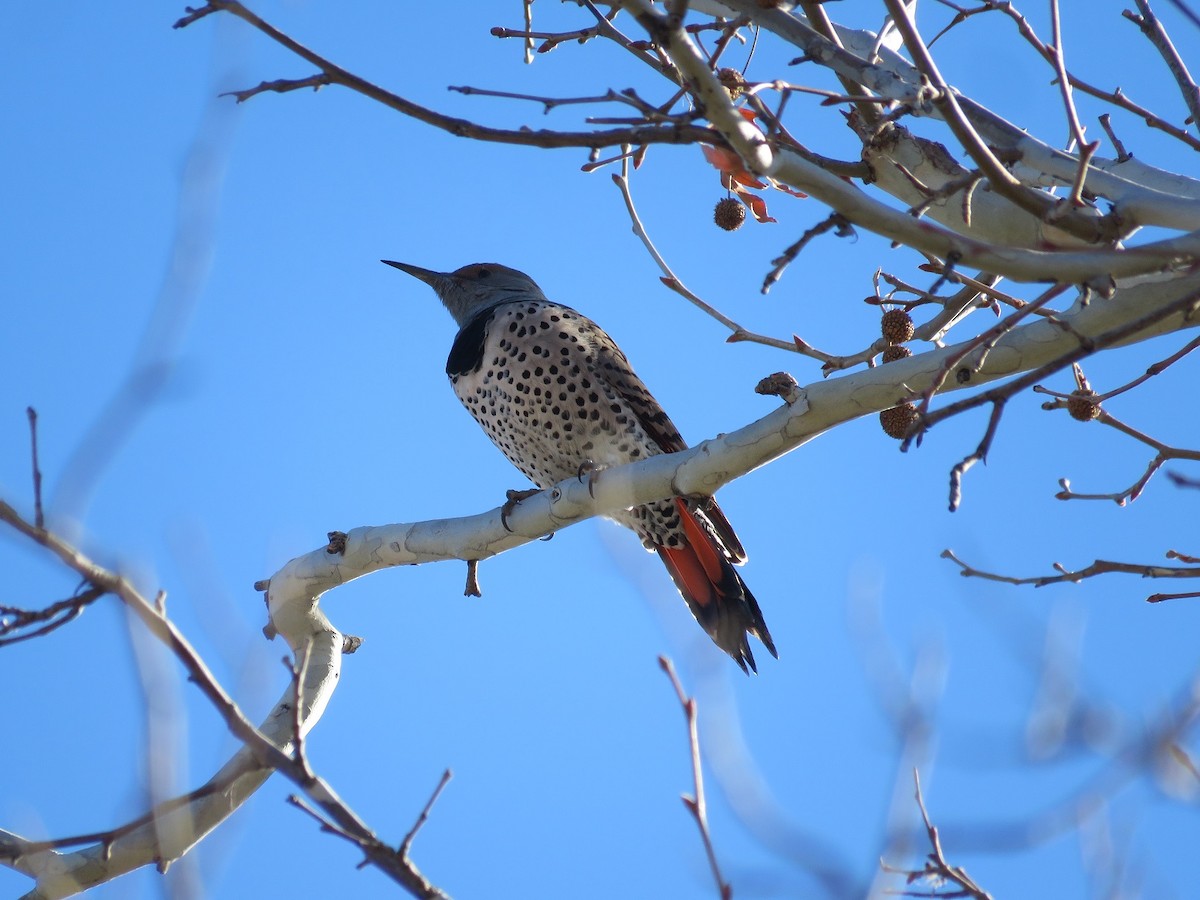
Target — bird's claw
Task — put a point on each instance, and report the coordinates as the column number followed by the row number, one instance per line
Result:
column 588, row 467
column 512, row 498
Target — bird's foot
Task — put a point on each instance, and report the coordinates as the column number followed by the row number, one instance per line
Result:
column 512, row 498
column 589, row 468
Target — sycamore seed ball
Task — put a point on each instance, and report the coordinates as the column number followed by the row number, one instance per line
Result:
column 897, row 326
column 729, row 214
column 1082, row 406
column 733, row 82
column 897, row 420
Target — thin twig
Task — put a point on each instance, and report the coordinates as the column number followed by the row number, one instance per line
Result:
column 835, row 222
column 39, row 518
column 281, row 86
column 1086, row 347
column 814, row 10
column 1116, row 97
column 55, row 616
column 1037, row 203
column 1134, row 491
column 1074, row 576
column 937, row 867
column 298, row 668
column 336, row 75
column 1086, row 150
column 672, row 280
column 1153, row 29
column 978, row 455
column 696, row 803
column 406, row 844
column 328, row 826
column 1123, row 155
column 981, row 344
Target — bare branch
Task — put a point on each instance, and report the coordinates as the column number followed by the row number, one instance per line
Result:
column 1116, row 97
column 671, row 280
column 1068, row 576
column 1123, row 155
column 336, row 75
column 1153, row 29
column 1134, row 491
column 696, row 803
column 1090, row 228
column 937, row 867
column 406, row 844
column 1086, row 150
column 835, row 222
column 1085, row 347
column 1155, row 369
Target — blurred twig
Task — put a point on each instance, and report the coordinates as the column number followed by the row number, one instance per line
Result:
column 696, row 804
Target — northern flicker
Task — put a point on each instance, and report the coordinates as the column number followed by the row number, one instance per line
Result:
column 557, row 396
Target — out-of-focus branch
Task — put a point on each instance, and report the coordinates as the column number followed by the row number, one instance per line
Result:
column 14, row 620
column 937, row 869
column 159, row 345
column 1139, row 754
column 172, row 828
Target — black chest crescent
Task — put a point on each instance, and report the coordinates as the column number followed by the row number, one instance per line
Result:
column 466, row 354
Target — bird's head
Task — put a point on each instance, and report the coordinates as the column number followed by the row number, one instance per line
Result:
column 468, row 291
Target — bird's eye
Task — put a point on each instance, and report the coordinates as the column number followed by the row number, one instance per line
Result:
column 485, row 272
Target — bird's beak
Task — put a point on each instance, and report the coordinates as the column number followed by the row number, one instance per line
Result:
column 436, row 280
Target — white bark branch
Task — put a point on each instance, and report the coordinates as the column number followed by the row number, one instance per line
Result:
column 702, row 470
column 1075, row 266
column 1171, row 205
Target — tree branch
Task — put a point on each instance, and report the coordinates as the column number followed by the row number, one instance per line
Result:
column 334, row 74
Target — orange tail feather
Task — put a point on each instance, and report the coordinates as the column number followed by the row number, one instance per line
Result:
column 715, row 593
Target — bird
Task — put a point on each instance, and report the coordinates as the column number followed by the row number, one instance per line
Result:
column 558, row 397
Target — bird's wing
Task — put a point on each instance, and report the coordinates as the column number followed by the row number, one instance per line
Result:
column 620, row 375
column 658, row 425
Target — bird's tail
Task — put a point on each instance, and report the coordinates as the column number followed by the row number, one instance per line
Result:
column 703, row 571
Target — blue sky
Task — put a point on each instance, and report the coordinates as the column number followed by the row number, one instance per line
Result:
column 304, row 392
